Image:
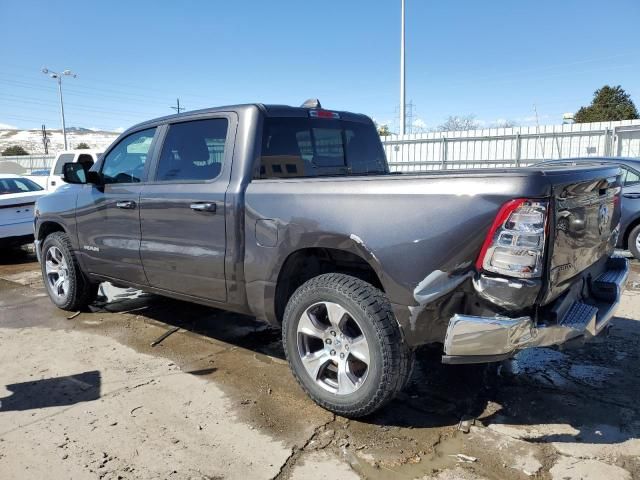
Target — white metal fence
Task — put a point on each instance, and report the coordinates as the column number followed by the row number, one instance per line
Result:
column 25, row 164
column 496, row 147
column 511, row 147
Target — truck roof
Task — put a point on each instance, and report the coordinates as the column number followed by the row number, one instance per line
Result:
column 270, row 110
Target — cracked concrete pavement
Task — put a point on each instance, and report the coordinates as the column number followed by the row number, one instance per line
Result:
column 89, row 397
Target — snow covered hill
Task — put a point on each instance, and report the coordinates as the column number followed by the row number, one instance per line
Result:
column 31, row 140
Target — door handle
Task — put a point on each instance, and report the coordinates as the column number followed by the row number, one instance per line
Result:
column 204, row 207
column 631, row 195
column 126, row 204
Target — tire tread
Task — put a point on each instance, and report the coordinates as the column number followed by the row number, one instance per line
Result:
column 82, row 292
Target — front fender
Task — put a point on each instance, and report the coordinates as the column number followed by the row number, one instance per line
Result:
column 57, row 209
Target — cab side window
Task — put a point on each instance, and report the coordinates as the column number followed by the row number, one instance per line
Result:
column 125, row 163
column 64, row 158
column 193, row 150
column 630, row 177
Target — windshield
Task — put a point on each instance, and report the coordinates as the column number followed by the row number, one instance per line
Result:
column 18, row 185
column 311, row 147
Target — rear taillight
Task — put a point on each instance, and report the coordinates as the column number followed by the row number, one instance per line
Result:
column 514, row 245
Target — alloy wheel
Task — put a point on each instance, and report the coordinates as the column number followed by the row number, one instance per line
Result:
column 57, row 272
column 333, row 348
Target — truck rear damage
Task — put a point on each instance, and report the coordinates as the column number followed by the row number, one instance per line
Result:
column 546, row 269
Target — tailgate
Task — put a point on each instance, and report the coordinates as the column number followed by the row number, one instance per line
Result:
column 585, row 223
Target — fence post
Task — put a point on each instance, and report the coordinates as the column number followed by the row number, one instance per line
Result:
column 607, row 142
column 518, row 146
column 443, row 153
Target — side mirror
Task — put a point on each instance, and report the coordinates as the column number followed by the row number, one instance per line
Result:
column 75, row 173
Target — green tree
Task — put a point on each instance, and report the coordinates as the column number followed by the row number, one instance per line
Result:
column 383, row 130
column 82, row 146
column 14, row 150
column 608, row 104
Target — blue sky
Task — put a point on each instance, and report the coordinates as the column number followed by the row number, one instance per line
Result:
column 494, row 59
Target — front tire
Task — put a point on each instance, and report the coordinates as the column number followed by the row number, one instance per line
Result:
column 344, row 345
column 634, row 242
column 66, row 285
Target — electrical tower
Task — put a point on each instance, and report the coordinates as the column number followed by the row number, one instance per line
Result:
column 409, row 114
column 178, row 108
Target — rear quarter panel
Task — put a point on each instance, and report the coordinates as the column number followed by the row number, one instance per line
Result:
column 405, row 227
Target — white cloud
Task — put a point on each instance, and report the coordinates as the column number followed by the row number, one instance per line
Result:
column 6, row 126
column 119, row 130
column 419, row 125
column 381, row 122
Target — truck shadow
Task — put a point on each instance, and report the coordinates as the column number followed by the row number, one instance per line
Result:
column 52, row 392
column 13, row 255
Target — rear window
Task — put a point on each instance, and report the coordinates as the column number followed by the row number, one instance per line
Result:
column 310, row 147
column 18, row 185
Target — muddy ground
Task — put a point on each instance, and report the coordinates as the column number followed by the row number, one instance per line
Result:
column 89, row 397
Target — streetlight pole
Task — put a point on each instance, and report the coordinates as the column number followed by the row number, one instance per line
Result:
column 403, row 118
column 58, row 77
column 64, row 127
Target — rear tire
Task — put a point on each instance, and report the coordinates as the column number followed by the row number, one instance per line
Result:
column 344, row 345
column 634, row 242
column 67, row 286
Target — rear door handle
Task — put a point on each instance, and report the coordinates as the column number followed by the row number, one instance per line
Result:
column 631, row 195
column 204, row 207
column 126, row 204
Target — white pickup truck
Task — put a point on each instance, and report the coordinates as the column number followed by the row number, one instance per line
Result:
column 85, row 157
column 54, row 179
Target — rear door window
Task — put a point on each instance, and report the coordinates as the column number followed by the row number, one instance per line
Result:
column 310, row 147
column 193, row 150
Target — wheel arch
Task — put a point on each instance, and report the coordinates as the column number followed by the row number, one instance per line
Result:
column 633, row 224
column 305, row 263
column 47, row 227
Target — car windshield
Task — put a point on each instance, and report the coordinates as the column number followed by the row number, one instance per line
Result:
column 18, row 185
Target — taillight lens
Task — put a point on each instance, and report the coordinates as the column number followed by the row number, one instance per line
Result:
column 514, row 245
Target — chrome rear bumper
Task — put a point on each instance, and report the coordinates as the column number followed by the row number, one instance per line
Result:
column 472, row 339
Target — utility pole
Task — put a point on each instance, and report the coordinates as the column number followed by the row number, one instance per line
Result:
column 178, row 108
column 45, row 139
column 58, row 78
column 403, row 120
column 535, row 110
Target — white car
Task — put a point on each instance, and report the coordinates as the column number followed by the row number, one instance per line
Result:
column 18, row 197
column 86, row 157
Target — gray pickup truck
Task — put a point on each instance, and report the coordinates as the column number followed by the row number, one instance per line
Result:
column 292, row 215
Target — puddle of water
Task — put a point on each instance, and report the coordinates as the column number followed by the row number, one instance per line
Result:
column 443, row 456
column 591, row 374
